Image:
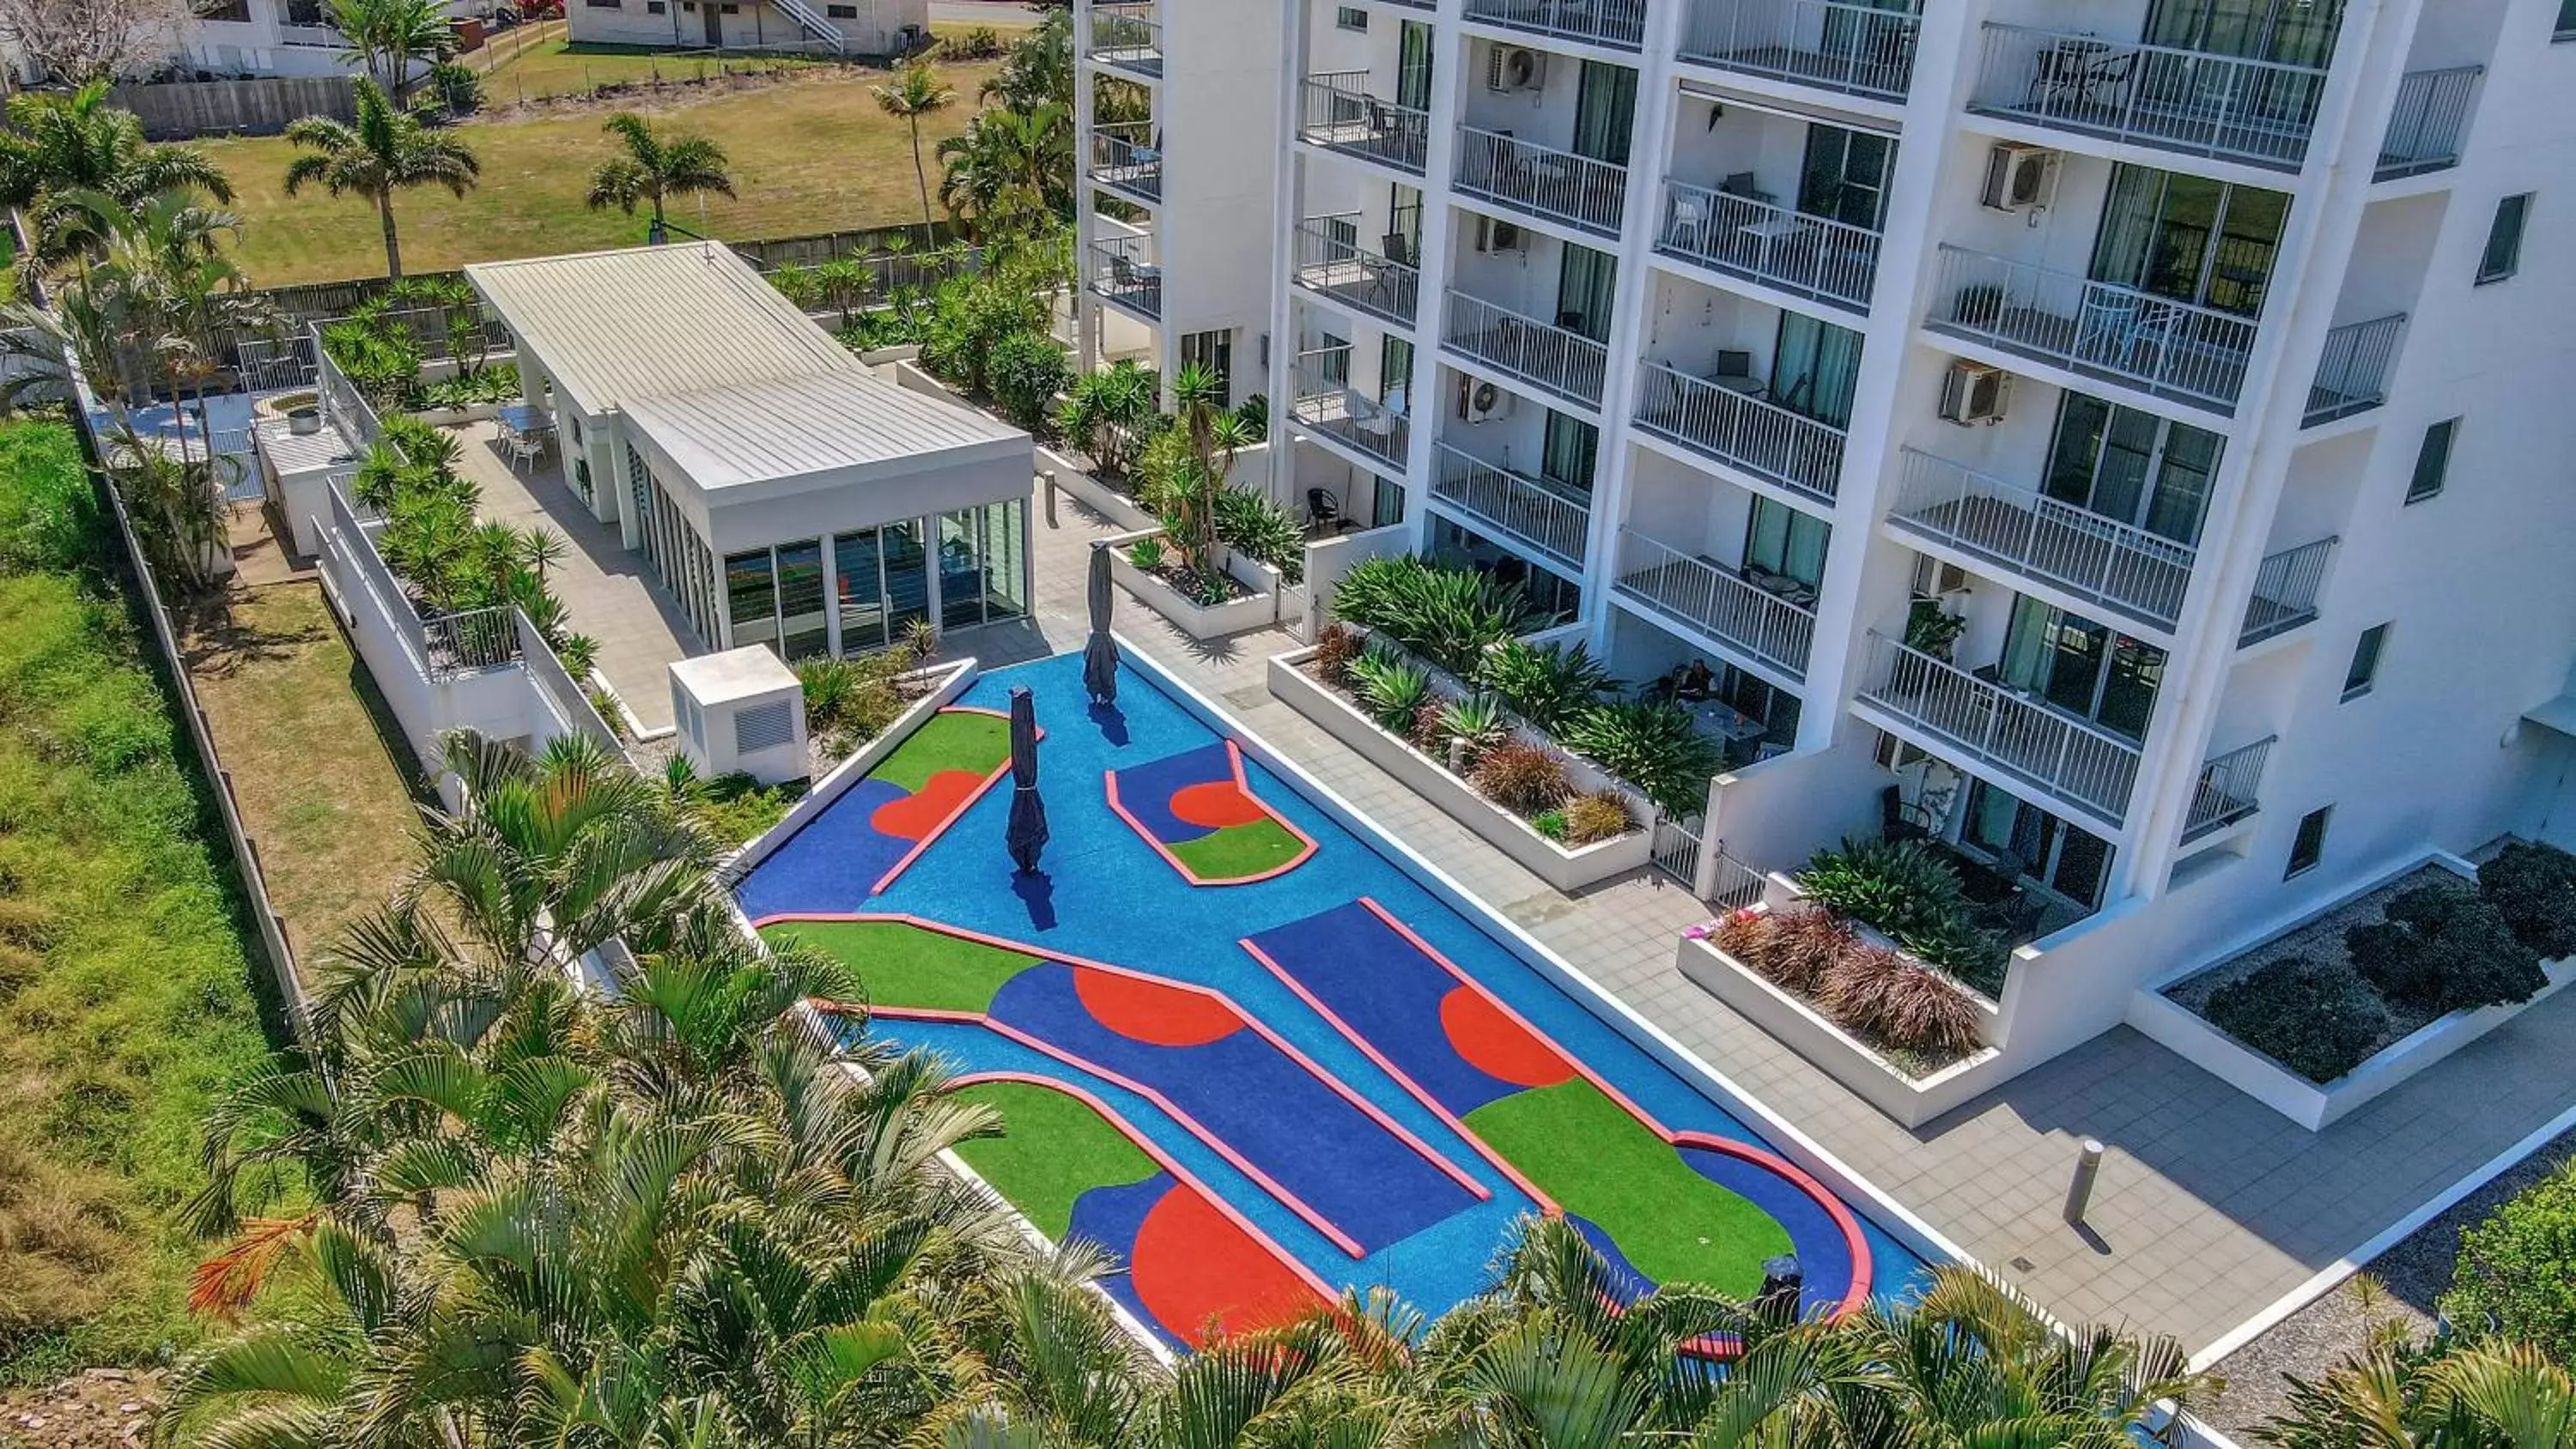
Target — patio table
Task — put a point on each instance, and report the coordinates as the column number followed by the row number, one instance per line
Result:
column 524, row 420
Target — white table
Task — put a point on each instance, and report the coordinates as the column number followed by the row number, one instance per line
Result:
column 1776, row 228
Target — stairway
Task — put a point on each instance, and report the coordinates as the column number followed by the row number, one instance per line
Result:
column 815, row 24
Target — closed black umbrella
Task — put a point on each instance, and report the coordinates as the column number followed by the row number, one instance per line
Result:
column 1028, row 831
column 1100, row 652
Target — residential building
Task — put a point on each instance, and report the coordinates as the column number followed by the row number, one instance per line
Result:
column 861, row 27
column 2123, row 440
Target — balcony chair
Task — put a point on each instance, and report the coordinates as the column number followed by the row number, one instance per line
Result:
column 1900, row 820
column 1323, row 511
column 1688, row 227
column 1748, row 186
column 1735, row 372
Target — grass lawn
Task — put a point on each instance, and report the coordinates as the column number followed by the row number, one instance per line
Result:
column 948, row 740
column 904, row 965
column 808, row 155
column 1052, row 1150
column 535, row 62
column 1239, row 851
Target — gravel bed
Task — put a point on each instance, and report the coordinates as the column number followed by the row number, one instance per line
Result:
column 2321, row 941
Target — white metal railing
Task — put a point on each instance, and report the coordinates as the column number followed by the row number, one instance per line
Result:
column 2102, row 329
column 2098, row 559
column 1858, row 48
column 1529, row 509
column 1541, row 180
column 311, row 35
column 1813, row 256
column 1338, row 113
column 2197, row 102
column 1740, row 428
column 2286, row 585
column 1559, row 359
column 2072, row 759
column 1738, row 886
column 1719, row 601
column 1355, row 276
column 2226, row 790
column 1326, row 404
column 1620, row 23
column 1677, row 848
column 2352, row 371
column 342, row 404
column 1122, row 270
column 569, row 700
column 1123, row 155
column 2428, row 121
column 1128, row 37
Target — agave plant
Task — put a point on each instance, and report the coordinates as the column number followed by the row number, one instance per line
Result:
column 1547, row 686
column 1478, row 720
column 1654, row 746
column 1392, row 687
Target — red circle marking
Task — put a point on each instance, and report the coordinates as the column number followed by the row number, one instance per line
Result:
column 1193, row 1267
column 1495, row 1043
column 1215, row 804
column 915, row 815
column 1149, row 1011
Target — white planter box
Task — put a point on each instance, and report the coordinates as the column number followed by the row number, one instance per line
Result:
column 1836, row 1052
column 1566, row 869
column 1095, row 495
column 1257, row 610
column 878, row 356
column 453, row 417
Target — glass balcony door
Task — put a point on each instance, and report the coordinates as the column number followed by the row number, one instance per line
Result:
column 1787, row 544
column 2132, row 467
column 1605, row 112
column 1814, row 367
column 1413, row 66
column 1587, row 285
column 2195, row 240
column 2290, row 32
column 1843, row 176
column 2086, row 669
column 2035, row 844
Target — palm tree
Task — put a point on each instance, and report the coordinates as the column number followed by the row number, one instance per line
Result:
column 57, row 146
column 1103, row 412
column 917, row 94
column 1197, row 479
column 1009, row 168
column 387, row 36
column 656, row 168
column 2445, row 1394
column 383, row 151
column 1974, row 1364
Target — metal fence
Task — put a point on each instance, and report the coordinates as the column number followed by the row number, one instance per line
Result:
column 1351, row 274
column 1735, row 426
column 179, row 110
column 1558, row 359
column 1842, row 45
column 2072, row 759
column 1123, row 155
column 2079, row 551
column 2286, row 585
column 2427, row 123
column 1617, row 23
column 2225, row 792
column 1558, row 185
column 2103, row 329
column 2352, row 371
column 1320, row 398
column 1812, row 256
column 2197, row 102
column 1720, row 602
column 1337, row 112
column 1527, row 509
column 1122, row 270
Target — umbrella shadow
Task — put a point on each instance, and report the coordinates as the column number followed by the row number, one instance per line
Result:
column 1036, row 890
column 1113, row 724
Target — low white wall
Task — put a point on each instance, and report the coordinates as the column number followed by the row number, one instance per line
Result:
column 1328, row 559
column 947, row 682
column 1258, row 610
column 1093, row 494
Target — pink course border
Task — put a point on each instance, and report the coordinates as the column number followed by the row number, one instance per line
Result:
column 952, row 817
column 1853, row 1298
column 1167, row 1163
column 1234, row 757
column 1188, row 1123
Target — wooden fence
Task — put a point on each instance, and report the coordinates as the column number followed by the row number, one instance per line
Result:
column 176, row 110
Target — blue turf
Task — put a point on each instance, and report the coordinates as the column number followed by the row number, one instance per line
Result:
column 1112, row 1217
column 1146, row 790
column 831, row 864
column 1389, row 992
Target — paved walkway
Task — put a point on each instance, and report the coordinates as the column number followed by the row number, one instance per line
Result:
column 606, row 589
column 2210, row 1206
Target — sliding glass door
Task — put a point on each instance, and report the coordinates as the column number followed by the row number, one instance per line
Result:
column 2086, row 669
column 2132, row 467
column 1782, row 540
column 1605, row 112
column 2289, row 32
column 1814, row 366
column 1844, row 175
column 2069, row 860
column 1568, row 452
column 1587, row 282
column 2195, row 240
column 1413, row 65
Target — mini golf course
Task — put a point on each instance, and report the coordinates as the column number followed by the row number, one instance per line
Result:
column 1321, row 1076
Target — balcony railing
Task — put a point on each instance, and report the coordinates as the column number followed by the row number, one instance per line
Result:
column 1123, row 157
column 2031, row 534
column 1325, row 404
column 2195, row 102
column 2101, row 329
column 2226, row 790
column 1717, row 601
column 2425, row 127
column 1742, row 429
column 1545, row 182
column 1354, row 276
column 1858, row 49
column 2072, row 759
column 1559, row 359
column 1122, row 272
column 1525, row 509
column 1617, row 23
column 1339, row 114
column 2352, row 372
column 1830, row 261
column 1128, row 38
column 2286, row 585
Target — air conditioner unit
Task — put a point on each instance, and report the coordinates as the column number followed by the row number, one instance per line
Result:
column 1938, row 578
column 2020, row 177
column 1496, row 235
column 1975, row 395
column 1480, row 401
column 1515, row 68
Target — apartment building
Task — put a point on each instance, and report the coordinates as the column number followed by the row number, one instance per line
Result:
column 2124, row 439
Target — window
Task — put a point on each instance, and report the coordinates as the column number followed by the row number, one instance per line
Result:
column 656, row 7
column 602, row 4
column 2083, row 668
column 226, row 10
column 2503, row 256
column 2433, row 460
column 2131, row 467
column 2189, row 238
column 841, row 12
column 305, row 12
column 1386, row 502
column 1787, row 544
column 1215, row 352
column 1569, row 450
column 732, row 9
column 2364, row 669
column 1350, row 17
column 2309, row 846
column 2566, row 29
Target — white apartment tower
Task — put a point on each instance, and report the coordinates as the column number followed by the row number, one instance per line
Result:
column 2127, row 438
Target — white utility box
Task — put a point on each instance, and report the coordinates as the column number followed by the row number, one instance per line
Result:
column 743, row 712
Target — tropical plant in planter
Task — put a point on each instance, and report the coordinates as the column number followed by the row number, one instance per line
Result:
column 1391, row 688
column 1477, row 721
column 1590, row 819
column 1929, row 630
column 2535, row 887
column 1654, row 746
column 1146, row 553
column 1106, row 414
column 1911, row 891
column 1450, row 616
column 1545, row 685
column 1335, row 648
column 1254, row 525
column 1521, row 778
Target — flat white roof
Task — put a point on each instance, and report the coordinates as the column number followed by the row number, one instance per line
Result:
column 845, row 424
column 744, row 673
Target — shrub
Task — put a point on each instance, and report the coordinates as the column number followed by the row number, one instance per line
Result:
column 1335, row 648
column 1521, row 778
column 1027, row 370
column 1962, row 949
column 1428, row 734
column 1745, row 935
column 1254, row 525
column 1146, row 553
column 2439, row 949
column 980, row 43
column 2516, row 1276
column 1546, row 686
column 1477, row 719
column 1910, row 890
column 2534, row 886
column 1551, row 823
column 1896, row 1001
column 2316, row 1019
column 1651, row 745
column 1596, row 817
column 1803, row 948
column 1450, row 616
column 1255, row 413
column 457, row 88
column 1391, row 688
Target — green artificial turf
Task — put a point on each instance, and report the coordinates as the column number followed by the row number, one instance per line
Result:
column 1598, row 1162
column 1238, row 851
column 1052, row 1150
column 976, row 743
column 905, row 965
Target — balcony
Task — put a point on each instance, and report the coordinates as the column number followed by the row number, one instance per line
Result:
column 1549, row 184
column 1807, row 256
column 1123, row 158
column 2188, row 101
column 2101, row 330
column 1742, row 429
column 1855, row 49
column 2352, row 372
column 1122, row 273
column 2286, row 586
column 2425, row 126
column 2024, row 739
column 1558, row 359
column 2225, row 793
column 1528, row 511
column 1340, row 115
column 1719, row 602
column 1619, row 24
column 1325, row 404
column 1346, row 273
column 1128, row 37
column 2033, row 536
